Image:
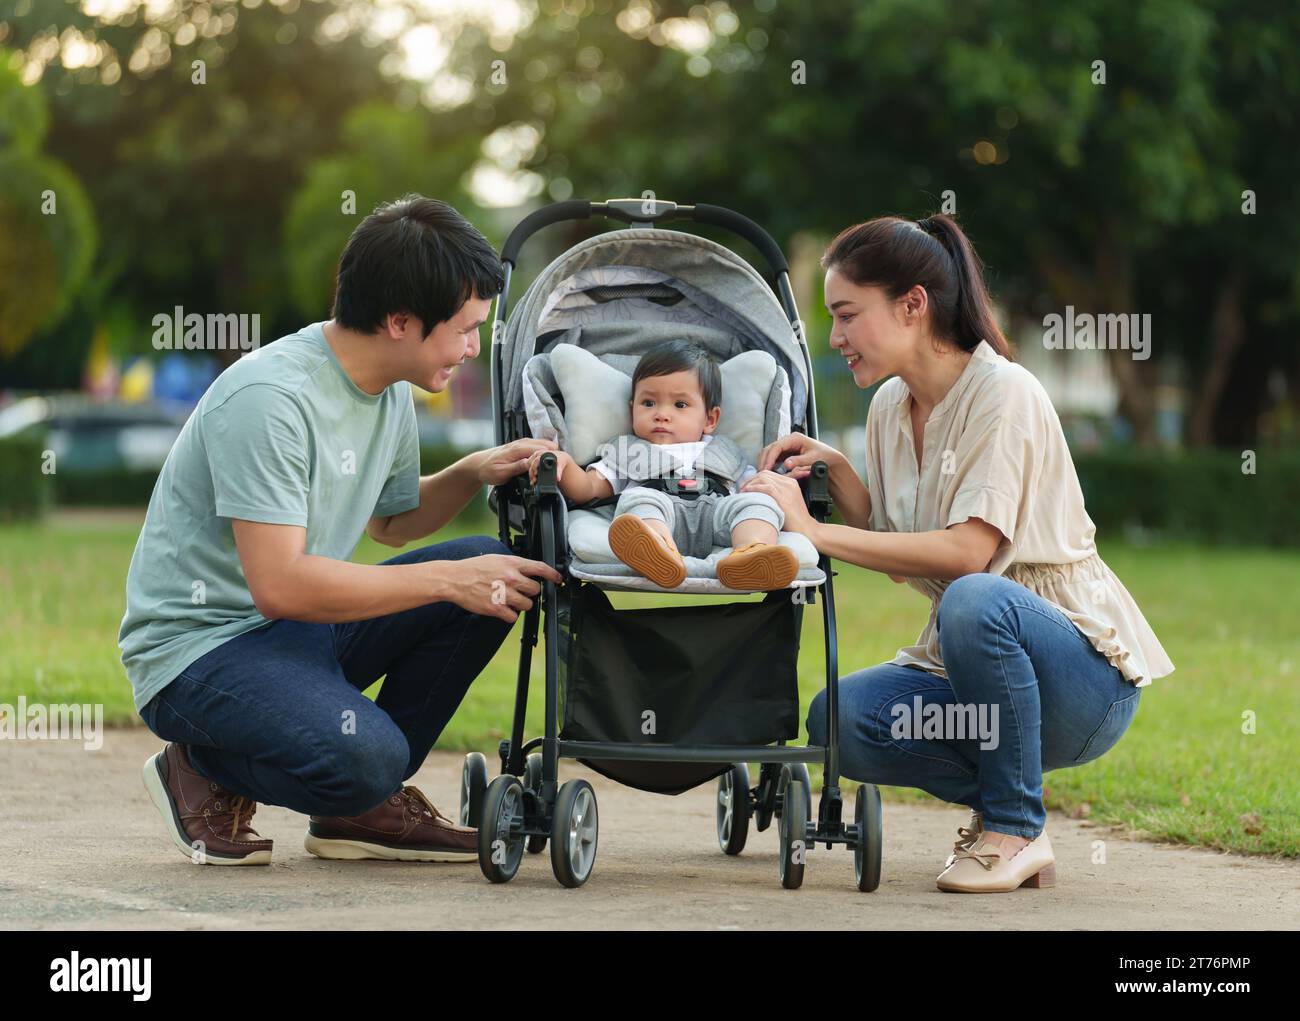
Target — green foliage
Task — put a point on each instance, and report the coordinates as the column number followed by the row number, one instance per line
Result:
column 1204, row 495
column 25, row 492
column 384, row 153
column 45, row 249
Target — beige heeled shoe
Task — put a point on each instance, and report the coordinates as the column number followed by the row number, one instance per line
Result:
column 966, row 837
column 981, row 868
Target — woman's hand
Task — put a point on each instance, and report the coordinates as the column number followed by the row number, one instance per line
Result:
column 510, row 459
column 788, row 496
column 798, row 453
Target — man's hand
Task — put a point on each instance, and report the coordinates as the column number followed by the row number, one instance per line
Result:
column 497, row 585
column 510, row 459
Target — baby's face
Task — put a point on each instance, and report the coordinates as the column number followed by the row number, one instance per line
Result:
column 670, row 409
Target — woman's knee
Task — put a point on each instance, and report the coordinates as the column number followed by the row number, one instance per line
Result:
column 972, row 601
column 816, row 721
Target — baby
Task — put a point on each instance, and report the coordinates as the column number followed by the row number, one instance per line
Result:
column 677, row 481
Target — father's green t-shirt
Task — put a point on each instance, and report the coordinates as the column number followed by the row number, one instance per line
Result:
column 282, row 436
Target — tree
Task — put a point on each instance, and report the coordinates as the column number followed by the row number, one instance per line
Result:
column 47, row 228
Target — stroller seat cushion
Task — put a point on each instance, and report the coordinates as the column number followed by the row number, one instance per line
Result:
column 597, row 396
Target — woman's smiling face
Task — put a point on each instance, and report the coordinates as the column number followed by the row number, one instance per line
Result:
column 868, row 329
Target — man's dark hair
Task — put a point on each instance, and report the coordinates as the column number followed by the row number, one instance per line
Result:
column 415, row 255
column 681, row 356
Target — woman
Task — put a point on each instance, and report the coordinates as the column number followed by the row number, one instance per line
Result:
column 972, row 499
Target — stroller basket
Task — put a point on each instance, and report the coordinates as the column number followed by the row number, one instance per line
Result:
column 678, row 675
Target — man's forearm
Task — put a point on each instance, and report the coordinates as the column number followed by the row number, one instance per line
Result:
column 326, row 591
column 443, row 495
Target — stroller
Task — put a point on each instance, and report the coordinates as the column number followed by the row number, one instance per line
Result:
column 667, row 698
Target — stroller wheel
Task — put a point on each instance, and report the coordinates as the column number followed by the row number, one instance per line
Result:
column 866, row 852
column 574, row 830
column 794, row 771
column 793, row 839
column 733, row 808
column 500, row 834
column 536, row 842
column 473, row 784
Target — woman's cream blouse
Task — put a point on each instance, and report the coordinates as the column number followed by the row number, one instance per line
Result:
column 994, row 450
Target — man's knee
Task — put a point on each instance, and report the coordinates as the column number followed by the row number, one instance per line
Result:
column 358, row 769
column 479, row 545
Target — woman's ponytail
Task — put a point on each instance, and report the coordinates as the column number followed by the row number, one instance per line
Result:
column 897, row 254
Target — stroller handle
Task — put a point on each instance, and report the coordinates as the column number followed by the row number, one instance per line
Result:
column 645, row 212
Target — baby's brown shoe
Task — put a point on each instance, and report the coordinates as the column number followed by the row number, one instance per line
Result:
column 646, row 551
column 759, row 567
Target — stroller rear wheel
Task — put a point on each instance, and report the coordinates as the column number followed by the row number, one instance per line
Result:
column 866, row 852
column 500, row 833
column 473, row 785
column 793, row 771
column 574, row 830
column 536, row 843
column 733, row 809
column 793, row 829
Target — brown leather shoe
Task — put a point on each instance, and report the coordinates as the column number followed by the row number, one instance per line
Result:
column 403, row 827
column 209, row 824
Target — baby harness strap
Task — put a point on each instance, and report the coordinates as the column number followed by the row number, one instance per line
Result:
column 644, row 463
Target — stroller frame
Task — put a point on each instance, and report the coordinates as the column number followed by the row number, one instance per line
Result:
column 513, row 813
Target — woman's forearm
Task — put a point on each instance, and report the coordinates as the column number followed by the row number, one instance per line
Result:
column 941, row 555
column 849, row 494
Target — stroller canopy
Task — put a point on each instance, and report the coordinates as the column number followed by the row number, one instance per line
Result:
column 651, row 275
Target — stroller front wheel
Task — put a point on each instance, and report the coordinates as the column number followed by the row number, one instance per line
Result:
column 574, row 830
column 501, row 832
column 473, row 785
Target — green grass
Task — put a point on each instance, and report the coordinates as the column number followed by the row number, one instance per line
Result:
column 1184, row 772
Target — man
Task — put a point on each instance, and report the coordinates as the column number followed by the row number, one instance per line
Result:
column 249, row 636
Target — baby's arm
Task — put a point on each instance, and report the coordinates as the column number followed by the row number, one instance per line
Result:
column 578, row 485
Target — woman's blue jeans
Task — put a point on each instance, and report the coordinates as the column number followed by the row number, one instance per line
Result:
column 277, row 714
column 1011, row 657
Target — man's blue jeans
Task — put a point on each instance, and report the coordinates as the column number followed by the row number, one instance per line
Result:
column 276, row 714
column 1059, row 703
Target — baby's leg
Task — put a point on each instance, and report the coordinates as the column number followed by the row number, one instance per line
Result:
column 757, row 561
column 746, row 518
column 641, row 536
column 652, row 506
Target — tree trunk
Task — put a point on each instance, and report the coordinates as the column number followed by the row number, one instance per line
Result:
column 1227, row 336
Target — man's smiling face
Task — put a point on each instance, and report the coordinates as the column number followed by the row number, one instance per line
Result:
column 432, row 360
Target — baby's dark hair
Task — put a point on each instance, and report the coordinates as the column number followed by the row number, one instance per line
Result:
column 682, row 356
